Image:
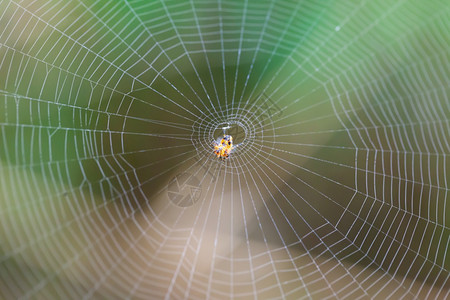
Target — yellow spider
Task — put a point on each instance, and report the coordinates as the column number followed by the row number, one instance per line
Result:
column 223, row 146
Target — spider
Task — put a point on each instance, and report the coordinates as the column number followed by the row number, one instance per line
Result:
column 223, row 146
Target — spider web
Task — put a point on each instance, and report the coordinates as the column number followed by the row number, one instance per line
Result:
column 338, row 188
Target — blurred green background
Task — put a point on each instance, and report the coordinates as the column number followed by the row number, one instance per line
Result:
column 339, row 188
